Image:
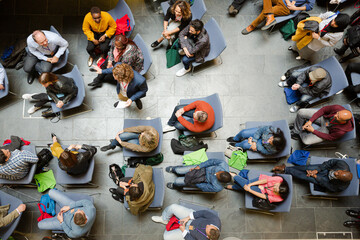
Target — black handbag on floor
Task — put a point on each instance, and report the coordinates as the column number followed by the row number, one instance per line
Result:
column 45, row 157
column 263, row 203
column 115, row 173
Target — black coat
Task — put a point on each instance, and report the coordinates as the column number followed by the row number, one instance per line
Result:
column 83, row 161
column 64, row 86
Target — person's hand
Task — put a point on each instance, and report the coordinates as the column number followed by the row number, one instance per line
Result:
column 185, row 37
column 78, row 146
column 308, row 123
column 102, row 38
column 2, row 87
column 178, row 114
column 65, row 209
column 247, row 188
column 292, row 6
column 117, row 138
column 72, row 146
column 188, row 54
column 97, row 69
column 60, row 217
column 309, row 128
column 182, row 227
column 315, row 35
column 311, row 173
column 96, row 42
column 120, row 132
column 195, row 168
column 21, row 208
column 253, row 146
column 250, row 140
column 184, row 221
column 295, row 86
column 109, row 65
column 54, row 59
column 49, row 60
column 60, row 104
column 128, row 102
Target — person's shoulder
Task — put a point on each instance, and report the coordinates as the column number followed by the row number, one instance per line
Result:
column 105, row 14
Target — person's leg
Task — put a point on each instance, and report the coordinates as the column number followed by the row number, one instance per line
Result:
column 243, row 144
column 29, row 63
column 60, row 198
column 279, row 8
column 173, row 118
column 300, row 173
column 189, row 114
column 175, row 234
column 43, row 66
column 50, row 224
column 187, row 62
column 240, row 182
column 175, row 209
column 180, row 127
column 126, row 136
column 90, row 49
column 182, row 170
column 309, row 138
column 104, row 47
column 304, row 101
column 302, row 117
column 179, row 182
column 245, row 133
column 41, row 98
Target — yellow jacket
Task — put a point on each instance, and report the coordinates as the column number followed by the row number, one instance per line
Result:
column 302, row 36
column 107, row 24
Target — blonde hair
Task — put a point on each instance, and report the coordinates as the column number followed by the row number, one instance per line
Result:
column 148, row 139
column 123, row 73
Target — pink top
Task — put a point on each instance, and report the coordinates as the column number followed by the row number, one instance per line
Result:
column 267, row 187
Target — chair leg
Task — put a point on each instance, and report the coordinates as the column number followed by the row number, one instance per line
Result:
column 87, row 185
column 320, row 197
column 352, row 100
column 220, row 62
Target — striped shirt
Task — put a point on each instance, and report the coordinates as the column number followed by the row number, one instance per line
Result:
column 18, row 165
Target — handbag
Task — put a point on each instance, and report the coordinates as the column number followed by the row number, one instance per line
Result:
column 263, row 203
column 229, row 150
column 288, row 30
column 45, row 157
column 238, row 159
column 188, row 141
column 115, row 173
column 172, row 224
column 43, row 214
column 172, row 55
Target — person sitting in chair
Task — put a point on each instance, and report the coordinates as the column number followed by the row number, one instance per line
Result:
column 2, row 78
column 5, row 218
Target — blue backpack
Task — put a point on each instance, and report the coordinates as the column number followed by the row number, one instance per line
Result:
column 48, row 203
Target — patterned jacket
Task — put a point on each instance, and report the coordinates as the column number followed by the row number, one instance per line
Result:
column 18, row 165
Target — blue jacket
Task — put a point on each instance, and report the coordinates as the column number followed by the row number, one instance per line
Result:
column 199, row 221
column 137, row 87
column 309, row 4
column 212, row 166
column 68, row 225
column 261, row 137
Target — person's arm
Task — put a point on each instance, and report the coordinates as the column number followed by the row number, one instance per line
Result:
column 80, row 203
column 321, row 112
column 62, row 43
column 211, row 163
column 182, row 40
column 326, row 15
column 52, row 95
column 9, row 218
column 261, row 149
column 69, row 232
column 258, row 182
column 210, row 186
column 87, row 28
column 329, row 137
column 135, row 147
column 111, row 51
column 137, row 129
column 328, row 165
column 29, row 157
column 331, row 39
column 260, row 132
column 143, row 88
column 260, row 195
column 303, row 76
column 198, row 45
column 2, row 76
column 69, row 89
column 31, row 44
column 309, row 5
column 112, row 25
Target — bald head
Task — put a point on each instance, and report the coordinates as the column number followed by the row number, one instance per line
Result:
column 40, row 38
column 343, row 175
column 343, row 116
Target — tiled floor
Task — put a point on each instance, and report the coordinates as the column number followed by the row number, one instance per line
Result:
column 247, row 85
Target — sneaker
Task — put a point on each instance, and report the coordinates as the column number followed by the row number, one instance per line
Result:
column 282, row 78
column 283, row 84
column 170, row 185
column 294, row 109
column 182, row 72
column 230, row 139
column 248, row 30
column 107, row 147
column 90, row 61
column 270, row 21
column 295, row 136
column 298, row 58
column 28, row 96
column 155, row 44
column 33, row 109
column 181, row 52
column 159, row 219
column 168, row 128
column 169, row 169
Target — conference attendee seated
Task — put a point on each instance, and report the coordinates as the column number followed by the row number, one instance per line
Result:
column 195, row 45
column 199, row 225
column 266, row 140
column 5, row 218
column 318, row 84
column 99, row 27
column 59, row 89
column 137, row 139
column 122, row 50
column 352, row 41
column 139, row 190
column 70, row 159
column 353, row 67
column 131, row 86
column 177, row 17
column 2, row 78
column 274, row 8
column 75, row 217
column 334, row 122
column 44, row 49
column 14, row 163
column 333, row 175
column 274, row 188
column 209, row 176
column 200, row 117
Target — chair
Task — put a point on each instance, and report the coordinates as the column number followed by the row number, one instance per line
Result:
column 14, row 202
column 217, row 42
column 63, row 178
column 280, row 19
column 283, row 206
column 79, row 99
column 355, row 77
column 119, row 11
column 284, row 127
column 145, row 51
column 63, row 59
column 5, row 92
column 156, row 123
column 351, row 190
column 196, row 207
column 28, row 178
column 159, row 181
column 214, row 101
column 198, row 9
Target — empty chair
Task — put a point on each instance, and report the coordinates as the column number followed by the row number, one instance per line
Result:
column 156, row 123
column 63, row 59
column 217, row 42
column 5, row 199
column 5, row 92
column 214, row 101
column 351, row 190
column 282, row 206
column 119, row 11
column 284, row 127
column 159, row 181
column 145, row 51
column 198, row 9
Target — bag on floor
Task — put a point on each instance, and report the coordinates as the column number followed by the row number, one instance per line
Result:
column 172, row 224
column 154, row 160
column 188, row 141
column 263, row 203
column 229, row 150
column 115, row 173
column 238, row 159
column 45, row 180
column 133, row 162
column 172, row 55
column 288, row 30
column 123, row 25
column 45, row 157
column 43, row 214
column 47, row 204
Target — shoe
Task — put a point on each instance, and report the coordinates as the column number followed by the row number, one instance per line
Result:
column 170, row 185
column 155, row 44
column 342, row 60
column 138, row 104
column 170, row 169
column 230, row 139
column 28, row 96
column 291, row 126
column 339, row 51
column 232, row 10
column 33, row 109
column 168, row 128
column 30, row 78
column 116, row 197
column 295, row 136
column 283, row 84
column 298, row 58
column 181, row 52
column 95, row 84
column 279, row 168
column 282, row 78
column 248, row 30
column 182, row 72
column 232, row 144
column 351, row 224
column 107, row 147
column 158, row 219
column 112, row 190
column 90, row 61
column 290, row 48
column 294, row 109
column 270, row 21
column 352, row 213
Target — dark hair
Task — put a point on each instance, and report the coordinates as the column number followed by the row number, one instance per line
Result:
column 184, row 7
column 203, row 116
column 224, row 177
column 283, row 188
column 342, row 20
column 2, row 157
column 279, row 140
column 67, row 158
column 79, row 219
column 214, row 234
column 197, row 25
column 134, row 193
column 48, row 77
column 95, row 10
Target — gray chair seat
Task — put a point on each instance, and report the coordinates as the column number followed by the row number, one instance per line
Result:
column 119, row 11
column 280, row 19
column 5, row 92
column 351, row 190
column 5, row 199
column 63, row 58
column 355, row 77
column 145, row 51
column 198, row 9
column 159, row 181
column 196, row 207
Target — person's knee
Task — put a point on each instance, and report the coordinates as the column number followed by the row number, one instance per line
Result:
column 308, row 140
column 46, row 67
column 52, row 192
column 28, row 67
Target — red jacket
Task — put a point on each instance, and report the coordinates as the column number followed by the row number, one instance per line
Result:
column 199, row 126
column 336, row 131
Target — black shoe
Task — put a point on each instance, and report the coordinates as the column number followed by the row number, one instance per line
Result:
column 95, row 84
column 230, row 139
column 155, row 44
column 170, row 185
column 116, row 197
column 138, row 104
column 107, row 147
column 113, row 190
column 170, row 169
column 339, row 51
column 291, row 126
column 232, row 144
column 295, row 136
column 31, row 78
column 353, row 213
column 351, row 224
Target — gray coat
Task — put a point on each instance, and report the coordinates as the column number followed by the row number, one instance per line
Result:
column 201, row 47
column 319, row 89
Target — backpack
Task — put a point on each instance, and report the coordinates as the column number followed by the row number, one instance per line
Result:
column 301, row 16
column 123, row 25
column 48, row 203
column 45, row 157
column 188, row 141
column 263, row 203
column 133, row 162
column 288, row 30
column 115, row 173
column 154, row 160
column 238, row 159
column 354, row 36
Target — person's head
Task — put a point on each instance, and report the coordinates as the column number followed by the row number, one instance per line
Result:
column 67, row 158
column 200, row 116
column 4, row 156
column 48, row 78
column 317, row 75
column 343, row 116
column 96, row 14
column 278, row 140
column 40, row 38
column 212, row 232
column 223, row 176
column 134, row 192
column 282, row 188
column 341, row 21
column 343, row 175
column 147, row 139
column 196, row 26
column 123, row 73
column 80, row 218
column 181, row 9
column 120, row 42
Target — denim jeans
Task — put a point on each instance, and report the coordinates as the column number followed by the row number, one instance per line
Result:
column 61, row 199
column 181, row 171
column 244, row 134
column 173, row 119
column 304, row 101
column 126, row 137
column 187, row 61
column 180, row 212
column 240, row 182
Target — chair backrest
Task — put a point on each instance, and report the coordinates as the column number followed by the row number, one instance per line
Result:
column 145, row 51
column 63, row 59
column 5, row 92
column 217, row 39
column 14, row 202
column 119, row 11
column 355, row 78
column 198, row 9
column 75, row 74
